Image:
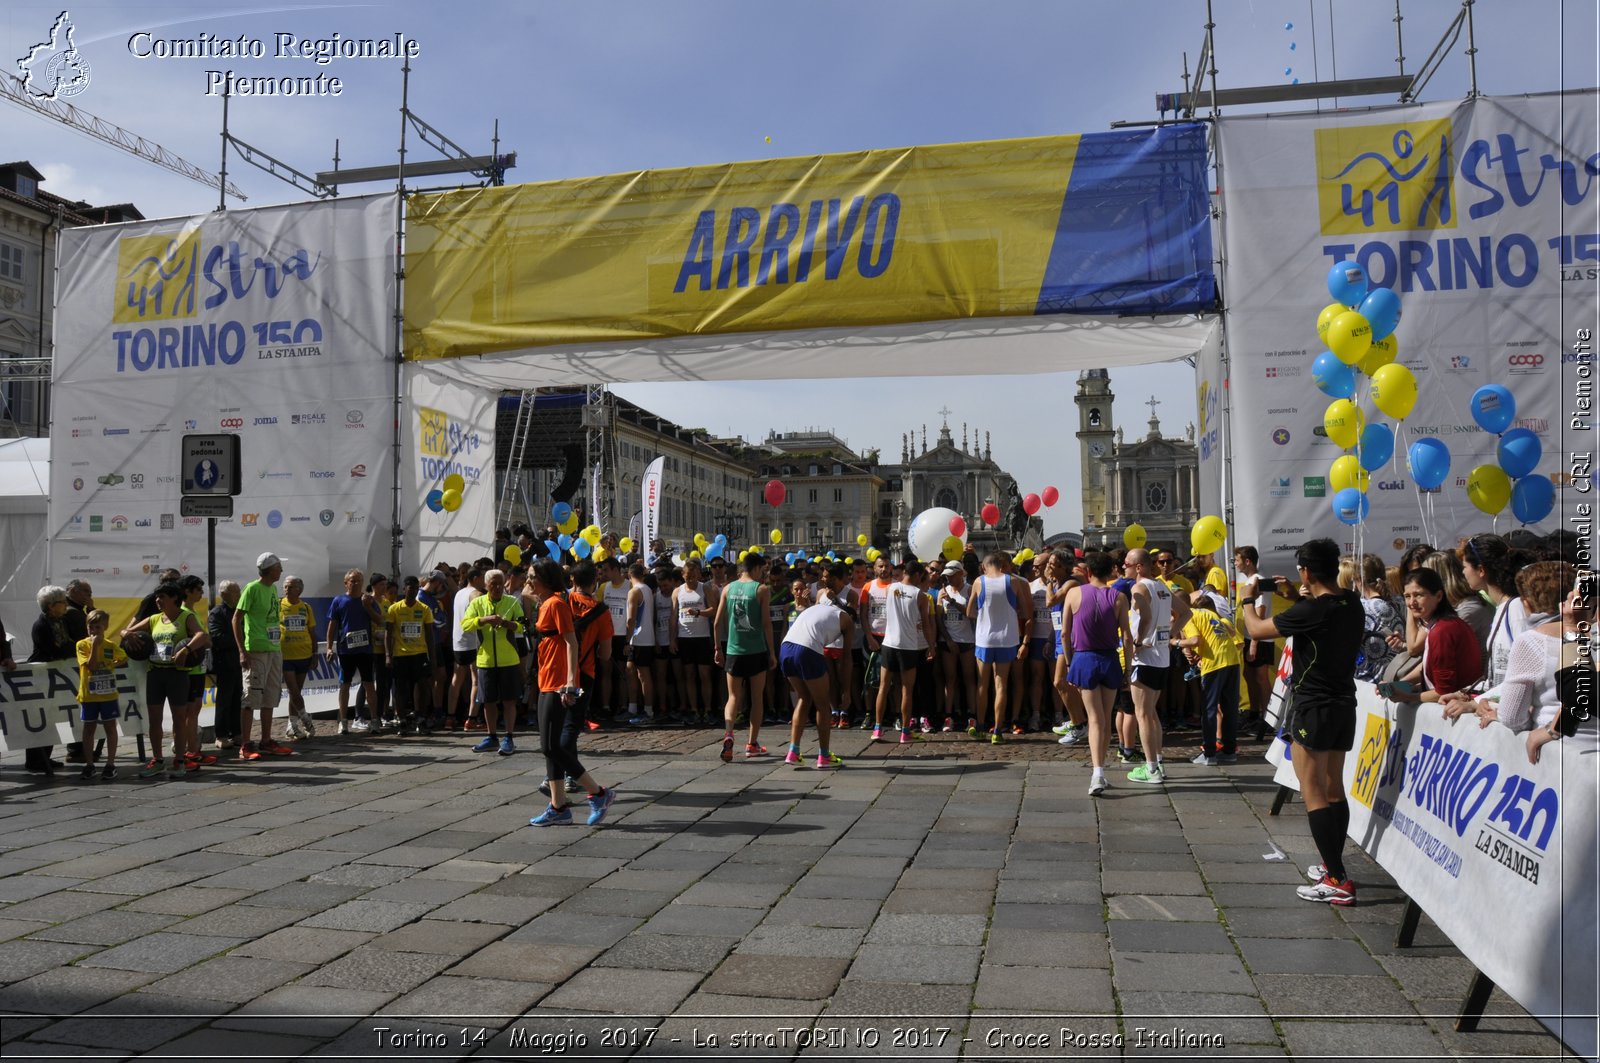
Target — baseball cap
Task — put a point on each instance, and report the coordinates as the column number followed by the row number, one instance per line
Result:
column 268, row 560
column 954, row 566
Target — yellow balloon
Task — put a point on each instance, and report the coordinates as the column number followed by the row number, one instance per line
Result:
column 1343, row 422
column 849, row 560
column 625, row 544
column 743, row 554
column 451, row 500
column 861, row 540
column 1347, row 472
column 1208, row 534
column 952, row 548
column 776, row 537
column 817, row 559
column 694, row 553
column 1381, row 353
column 1489, row 488
column 599, row 554
column 1329, row 312
column 1394, row 390
column 513, row 555
column 873, row 554
column 1349, row 336
column 455, row 483
column 1133, row 536
column 592, row 533
column 568, row 526
column 701, row 541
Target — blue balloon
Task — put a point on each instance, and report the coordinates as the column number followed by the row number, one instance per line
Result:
column 1430, row 462
column 1494, row 408
column 832, row 556
column 561, row 512
column 564, row 541
column 713, row 551
column 436, row 500
column 1347, row 283
column 582, row 547
column 551, row 549
column 1532, row 498
column 1377, row 446
column 1350, row 506
column 721, row 540
column 1519, row 451
column 1381, row 308
column 1333, row 377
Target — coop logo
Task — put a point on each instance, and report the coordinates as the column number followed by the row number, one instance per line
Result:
column 259, row 421
column 1379, row 178
column 54, row 69
column 274, row 519
column 326, row 517
column 1280, row 436
column 248, row 520
column 1522, row 364
column 231, row 422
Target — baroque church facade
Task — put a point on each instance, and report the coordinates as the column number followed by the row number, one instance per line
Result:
column 1152, row 481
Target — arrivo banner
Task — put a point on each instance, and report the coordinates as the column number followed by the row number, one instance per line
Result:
column 1501, row 854
column 1481, row 215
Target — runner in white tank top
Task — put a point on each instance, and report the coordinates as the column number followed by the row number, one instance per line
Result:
column 641, row 630
column 1150, row 619
column 1003, row 608
column 907, row 640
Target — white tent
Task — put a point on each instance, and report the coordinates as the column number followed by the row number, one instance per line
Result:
column 24, row 497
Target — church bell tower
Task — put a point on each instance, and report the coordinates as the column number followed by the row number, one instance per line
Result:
column 1095, row 431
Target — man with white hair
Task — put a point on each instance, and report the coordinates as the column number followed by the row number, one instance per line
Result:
column 257, row 628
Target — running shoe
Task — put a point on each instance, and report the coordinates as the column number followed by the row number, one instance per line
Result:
column 1204, row 761
column 1071, row 738
column 87, row 774
column 995, row 737
column 344, row 727
column 1331, row 891
column 927, row 728
column 203, row 759
column 905, row 738
column 291, row 727
column 247, row 751
column 599, row 803
column 791, row 757
column 307, row 725
column 949, row 725
column 488, row 745
column 1227, row 758
column 752, row 751
column 972, row 727
column 1061, row 730
column 189, row 765
column 1126, row 755
column 727, row 749
column 275, row 748
column 1017, row 729
column 1144, row 774
column 1098, row 785
column 552, row 817
column 507, row 747
column 108, row 773
column 829, row 762
column 360, row 726
column 1316, row 872
column 644, row 719
column 877, row 734
column 472, row 725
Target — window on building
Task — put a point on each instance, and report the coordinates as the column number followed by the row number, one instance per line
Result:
column 946, row 499
column 895, row 484
column 838, row 531
column 1094, row 417
column 886, row 509
column 788, row 470
column 23, row 403
column 812, row 532
column 838, row 494
column 838, row 470
column 1155, row 497
column 10, row 262
column 788, row 532
column 813, row 467
column 766, row 531
column 811, row 496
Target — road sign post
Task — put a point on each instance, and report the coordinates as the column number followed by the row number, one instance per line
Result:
column 211, row 474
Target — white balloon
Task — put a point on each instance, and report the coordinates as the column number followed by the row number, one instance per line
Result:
column 929, row 529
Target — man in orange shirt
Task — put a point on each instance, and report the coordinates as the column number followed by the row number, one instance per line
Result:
column 591, row 622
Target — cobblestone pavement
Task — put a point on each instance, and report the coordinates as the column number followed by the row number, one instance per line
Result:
column 386, row 897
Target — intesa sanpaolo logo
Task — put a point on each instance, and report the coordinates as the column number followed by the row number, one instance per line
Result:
column 1381, row 178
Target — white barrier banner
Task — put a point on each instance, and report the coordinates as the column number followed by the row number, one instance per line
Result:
column 39, row 704
column 275, row 325
column 1482, row 216
column 1500, row 853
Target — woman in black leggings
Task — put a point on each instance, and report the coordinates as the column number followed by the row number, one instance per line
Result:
column 558, row 693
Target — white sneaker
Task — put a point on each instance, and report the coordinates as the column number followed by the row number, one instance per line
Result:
column 1071, row 738
column 307, row 726
column 344, row 727
column 1098, row 785
column 1203, row 760
column 1061, row 730
column 359, row 725
column 1316, row 872
column 291, row 727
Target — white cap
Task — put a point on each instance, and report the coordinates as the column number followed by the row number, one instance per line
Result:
column 268, row 560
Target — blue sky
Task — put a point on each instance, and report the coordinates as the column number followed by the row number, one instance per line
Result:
column 588, row 88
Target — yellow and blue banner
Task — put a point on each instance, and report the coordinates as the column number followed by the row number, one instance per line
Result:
column 1101, row 223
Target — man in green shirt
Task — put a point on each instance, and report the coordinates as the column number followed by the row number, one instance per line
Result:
column 257, row 630
column 497, row 617
column 744, row 626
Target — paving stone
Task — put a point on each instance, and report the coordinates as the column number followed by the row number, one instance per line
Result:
column 892, row 929
column 1130, row 935
column 1332, row 996
column 304, row 944
column 1067, row 991
column 526, row 885
column 699, row 920
column 374, row 916
column 305, row 896
column 1048, row 891
column 923, row 964
column 439, row 936
column 26, row 887
column 952, row 878
column 819, row 941
column 624, row 991
column 1000, row 1033
column 1306, row 921
column 135, row 1022
column 531, row 962
column 959, row 858
column 213, row 1043
column 366, row 875
column 186, row 900
column 930, row 1004
column 573, row 928
column 1070, row 917
column 735, row 894
column 1302, row 956
column 313, row 1011
column 240, row 920
column 1170, row 908
column 666, row 952
column 799, row 977
column 1342, row 1040
column 939, row 902
column 1236, row 1018
column 811, row 911
column 508, row 911
column 1158, row 971
column 465, row 870
column 450, row 996
column 61, row 907
column 106, row 928
column 232, row 978
column 1153, row 883
column 415, row 890
column 638, row 903
column 69, row 990
column 1046, row 948
column 1133, row 860
column 382, row 970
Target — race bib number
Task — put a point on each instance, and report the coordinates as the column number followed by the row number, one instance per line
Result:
column 163, row 650
column 297, row 622
column 687, row 617
column 1163, row 638
column 410, row 630
column 1055, row 621
column 274, row 634
column 102, row 684
column 877, row 613
column 777, row 614
column 354, row 640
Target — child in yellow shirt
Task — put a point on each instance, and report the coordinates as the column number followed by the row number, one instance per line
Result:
column 98, row 659
column 1210, row 641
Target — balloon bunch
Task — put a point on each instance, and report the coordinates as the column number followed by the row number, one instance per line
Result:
column 936, row 533
column 1358, row 327
column 713, row 548
column 447, row 497
column 1518, row 450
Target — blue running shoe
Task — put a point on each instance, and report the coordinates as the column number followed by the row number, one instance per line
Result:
column 507, row 747
column 598, row 805
column 553, row 817
column 488, row 745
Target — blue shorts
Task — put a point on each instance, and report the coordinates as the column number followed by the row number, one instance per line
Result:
column 797, row 662
column 1091, row 669
column 92, row 711
column 997, row 654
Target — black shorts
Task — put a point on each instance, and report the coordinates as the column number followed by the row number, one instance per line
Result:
column 745, row 665
column 1123, row 702
column 642, row 656
column 1149, row 676
column 619, row 646
column 197, row 686
column 1322, row 726
column 500, row 684
column 302, row 666
column 694, row 651
column 466, row 658
column 896, row 660
column 352, row 665
column 411, row 668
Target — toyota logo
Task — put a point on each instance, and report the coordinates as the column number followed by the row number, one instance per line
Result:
column 232, row 422
column 1525, row 359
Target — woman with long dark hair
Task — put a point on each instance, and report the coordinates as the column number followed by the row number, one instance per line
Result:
column 1451, row 660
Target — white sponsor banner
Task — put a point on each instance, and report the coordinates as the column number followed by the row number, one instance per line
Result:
column 39, row 705
column 1500, row 853
column 448, row 430
column 1481, row 215
column 650, row 500
column 270, row 324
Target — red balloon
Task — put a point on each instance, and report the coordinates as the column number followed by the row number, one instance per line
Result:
column 775, row 492
column 1051, row 496
column 990, row 514
column 958, row 527
column 1030, row 504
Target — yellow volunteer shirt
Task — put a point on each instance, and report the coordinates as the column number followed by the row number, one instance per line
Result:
column 1219, row 644
column 97, row 680
column 298, row 624
column 411, row 625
